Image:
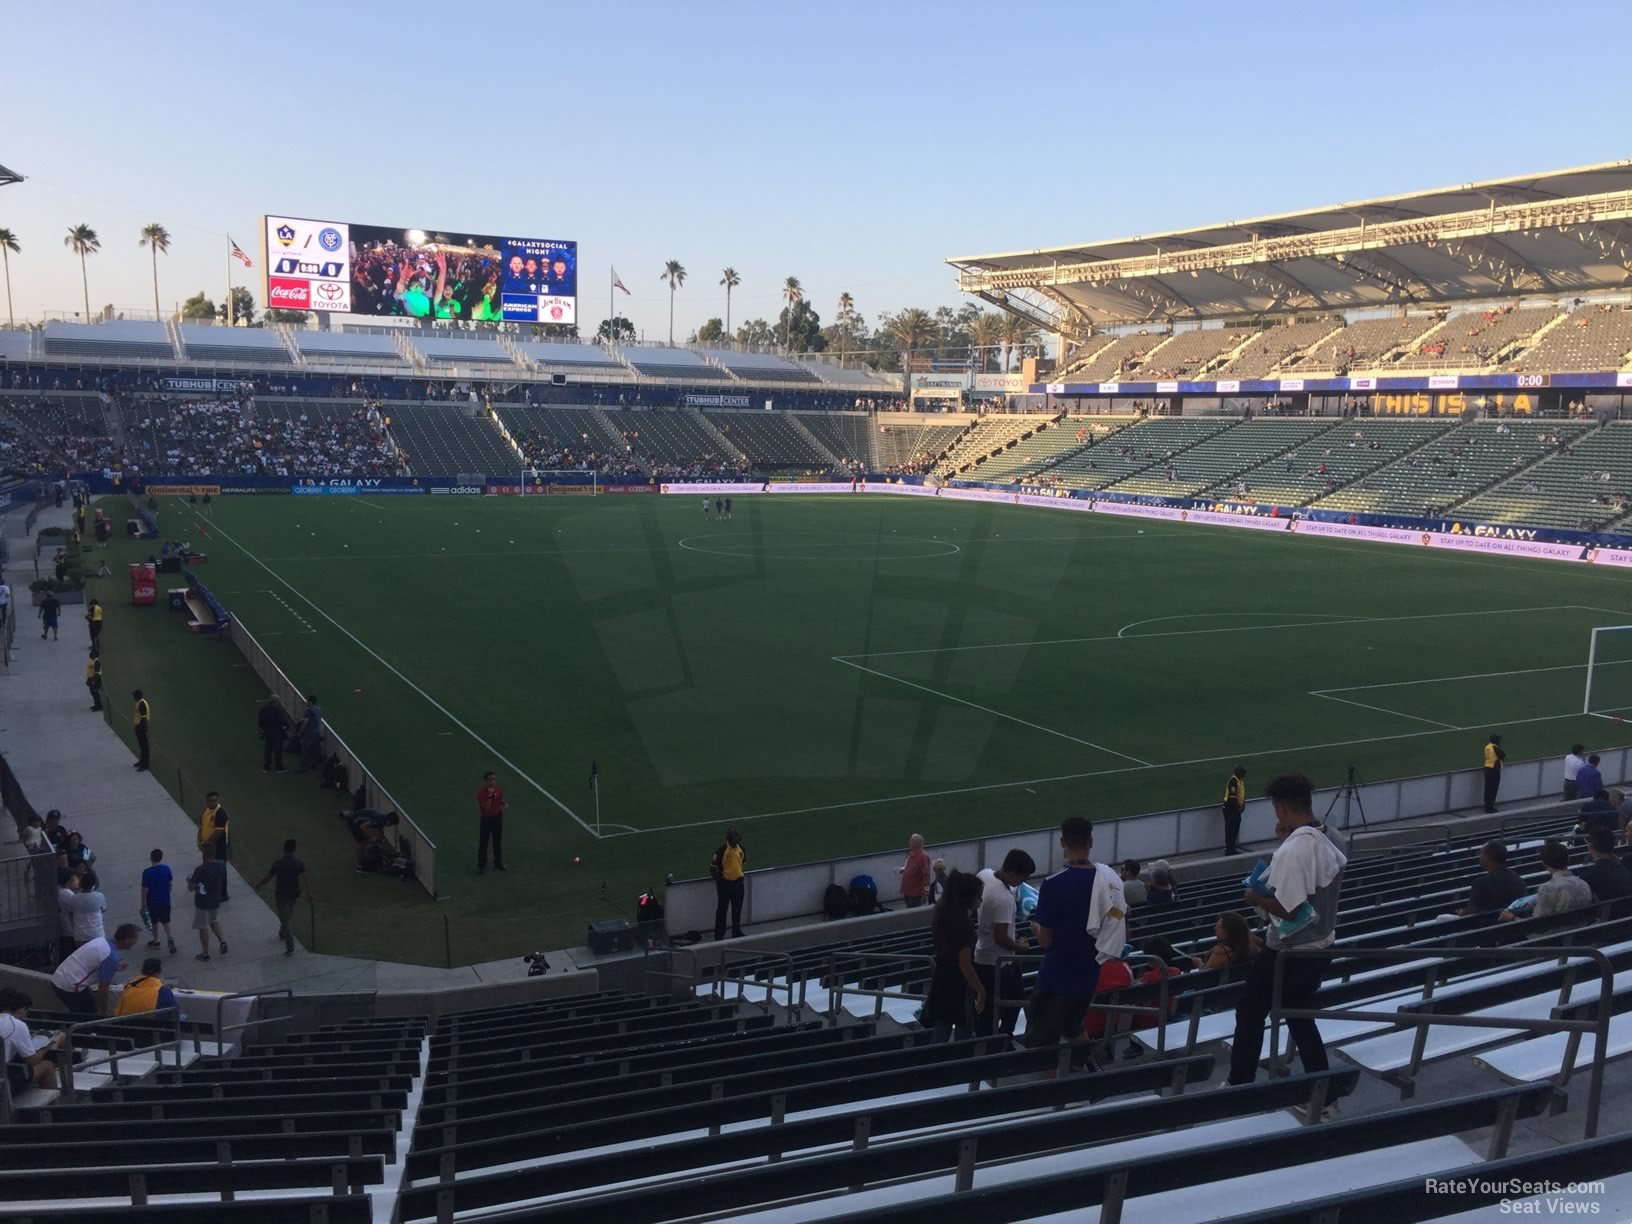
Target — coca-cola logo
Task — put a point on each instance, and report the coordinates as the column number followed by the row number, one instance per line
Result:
column 289, row 294
column 329, row 291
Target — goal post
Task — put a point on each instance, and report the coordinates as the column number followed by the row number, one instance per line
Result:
column 1609, row 672
column 542, row 477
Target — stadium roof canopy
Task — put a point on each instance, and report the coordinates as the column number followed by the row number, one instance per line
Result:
column 1561, row 233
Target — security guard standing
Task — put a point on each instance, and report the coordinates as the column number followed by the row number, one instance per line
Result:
column 93, row 618
column 93, row 678
column 140, row 717
column 1235, row 798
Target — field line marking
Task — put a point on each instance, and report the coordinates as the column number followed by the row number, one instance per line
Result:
column 1381, row 709
column 1156, row 620
column 1138, row 637
column 988, row 710
column 437, row 705
column 1521, row 671
column 1232, row 757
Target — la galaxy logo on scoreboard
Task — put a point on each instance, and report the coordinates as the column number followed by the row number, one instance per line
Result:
column 286, row 234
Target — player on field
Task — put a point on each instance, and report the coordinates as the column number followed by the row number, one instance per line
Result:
column 728, row 507
column 719, row 508
column 705, row 507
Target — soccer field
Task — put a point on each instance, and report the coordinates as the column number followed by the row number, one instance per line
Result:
column 834, row 673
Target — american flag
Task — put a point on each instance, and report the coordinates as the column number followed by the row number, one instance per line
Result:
column 618, row 284
column 237, row 252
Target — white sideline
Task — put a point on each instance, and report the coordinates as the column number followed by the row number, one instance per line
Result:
column 1095, row 773
column 437, row 705
column 924, row 688
column 1380, row 709
column 1314, row 624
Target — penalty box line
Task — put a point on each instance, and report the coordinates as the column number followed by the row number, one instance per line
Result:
column 432, row 701
column 924, row 688
column 1233, row 757
column 1330, row 694
column 1326, row 622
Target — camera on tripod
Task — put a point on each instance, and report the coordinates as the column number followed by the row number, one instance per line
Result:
column 537, row 966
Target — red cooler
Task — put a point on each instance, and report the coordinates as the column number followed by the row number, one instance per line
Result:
column 144, row 583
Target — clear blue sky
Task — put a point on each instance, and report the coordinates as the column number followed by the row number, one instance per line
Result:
column 854, row 145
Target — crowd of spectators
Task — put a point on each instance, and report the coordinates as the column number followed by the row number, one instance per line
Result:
column 337, row 445
column 200, row 436
column 21, row 453
column 547, row 451
column 1086, row 919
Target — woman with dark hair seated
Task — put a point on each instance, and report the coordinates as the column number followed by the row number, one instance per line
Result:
column 1237, row 947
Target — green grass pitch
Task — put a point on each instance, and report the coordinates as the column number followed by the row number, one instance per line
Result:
column 829, row 673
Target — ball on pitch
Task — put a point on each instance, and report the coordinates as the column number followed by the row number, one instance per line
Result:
column 576, row 861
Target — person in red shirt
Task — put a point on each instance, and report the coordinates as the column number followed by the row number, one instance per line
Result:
column 490, row 806
column 915, row 873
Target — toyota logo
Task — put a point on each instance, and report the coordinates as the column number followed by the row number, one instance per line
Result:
column 329, row 291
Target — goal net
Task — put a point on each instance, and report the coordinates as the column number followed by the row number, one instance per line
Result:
column 539, row 480
column 1609, row 672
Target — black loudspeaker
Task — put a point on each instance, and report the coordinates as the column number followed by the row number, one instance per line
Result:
column 559, row 380
column 611, row 935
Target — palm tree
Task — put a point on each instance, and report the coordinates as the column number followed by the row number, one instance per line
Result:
column 792, row 292
column 1017, row 334
column 157, row 240
column 730, row 280
column 8, row 244
column 985, row 334
column 675, row 273
column 82, row 241
column 911, row 330
column 847, row 322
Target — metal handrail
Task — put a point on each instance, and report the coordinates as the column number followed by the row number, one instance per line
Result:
column 114, row 1056
column 794, row 1009
column 836, row 988
column 221, row 1002
column 1599, row 1027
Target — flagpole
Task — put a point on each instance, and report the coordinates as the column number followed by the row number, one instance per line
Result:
column 597, row 804
column 611, row 290
column 229, row 282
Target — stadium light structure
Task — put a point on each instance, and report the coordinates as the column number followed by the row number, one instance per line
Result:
column 8, row 177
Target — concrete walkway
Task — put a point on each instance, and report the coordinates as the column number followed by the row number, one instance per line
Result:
column 66, row 757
